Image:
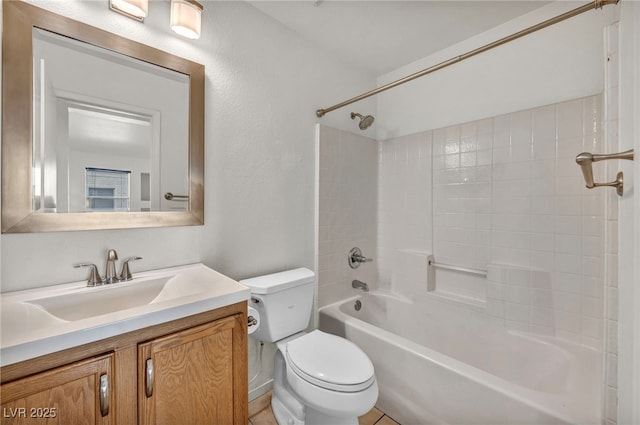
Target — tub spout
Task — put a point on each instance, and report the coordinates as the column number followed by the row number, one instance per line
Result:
column 360, row 285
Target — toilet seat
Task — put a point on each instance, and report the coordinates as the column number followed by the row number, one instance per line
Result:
column 330, row 362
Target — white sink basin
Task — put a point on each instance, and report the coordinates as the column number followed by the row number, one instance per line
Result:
column 104, row 300
column 41, row 321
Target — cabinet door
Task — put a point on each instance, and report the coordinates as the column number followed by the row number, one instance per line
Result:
column 188, row 377
column 78, row 393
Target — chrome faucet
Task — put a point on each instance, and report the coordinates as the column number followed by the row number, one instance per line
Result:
column 94, row 278
column 110, row 275
column 356, row 284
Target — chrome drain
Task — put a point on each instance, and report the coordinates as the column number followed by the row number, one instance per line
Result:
column 357, row 305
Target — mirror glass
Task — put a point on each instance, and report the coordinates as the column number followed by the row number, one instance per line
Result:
column 110, row 132
column 98, row 131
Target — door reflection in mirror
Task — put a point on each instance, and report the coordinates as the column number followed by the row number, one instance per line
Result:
column 94, row 108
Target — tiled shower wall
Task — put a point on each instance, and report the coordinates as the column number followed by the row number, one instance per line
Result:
column 404, row 202
column 347, row 217
column 502, row 194
column 509, row 198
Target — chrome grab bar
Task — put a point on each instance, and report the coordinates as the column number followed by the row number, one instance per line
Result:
column 479, row 272
column 585, row 159
column 432, row 263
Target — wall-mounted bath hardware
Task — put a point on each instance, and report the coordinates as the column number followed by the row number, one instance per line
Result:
column 94, row 278
column 357, row 284
column 357, row 305
column 585, row 159
column 170, row 196
column 355, row 258
column 125, row 274
column 431, row 262
column 365, row 120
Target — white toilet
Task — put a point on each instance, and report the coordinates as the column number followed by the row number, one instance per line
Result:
column 319, row 378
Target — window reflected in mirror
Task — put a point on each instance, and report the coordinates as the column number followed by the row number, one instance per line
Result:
column 107, row 190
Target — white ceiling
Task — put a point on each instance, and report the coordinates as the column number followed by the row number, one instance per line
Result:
column 379, row 36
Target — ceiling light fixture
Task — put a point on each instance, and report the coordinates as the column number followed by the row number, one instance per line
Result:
column 186, row 18
column 134, row 9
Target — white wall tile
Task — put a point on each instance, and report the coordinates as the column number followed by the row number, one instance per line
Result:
column 347, row 217
column 542, row 299
column 543, row 317
column 612, row 303
column 569, row 119
column 518, row 313
column 505, row 194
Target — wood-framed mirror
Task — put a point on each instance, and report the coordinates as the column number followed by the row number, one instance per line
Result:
column 82, row 158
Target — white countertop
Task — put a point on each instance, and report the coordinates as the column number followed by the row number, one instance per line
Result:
column 29, row 330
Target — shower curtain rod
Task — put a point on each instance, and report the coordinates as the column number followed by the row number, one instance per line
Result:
column 596, row 4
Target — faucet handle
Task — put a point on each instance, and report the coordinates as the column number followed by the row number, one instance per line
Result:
column 355, row 258
column 125, row 274
column 94, row 278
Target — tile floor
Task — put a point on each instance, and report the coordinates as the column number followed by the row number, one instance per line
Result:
column 260, row 414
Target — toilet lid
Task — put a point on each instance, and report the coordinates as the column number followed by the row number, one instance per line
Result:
column 330, row 362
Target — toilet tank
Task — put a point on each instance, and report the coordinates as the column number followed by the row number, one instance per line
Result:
column 284, row 301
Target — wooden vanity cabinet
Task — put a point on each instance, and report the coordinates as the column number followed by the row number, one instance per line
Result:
column 187, row 377
column 187, row 371
column 78, row 393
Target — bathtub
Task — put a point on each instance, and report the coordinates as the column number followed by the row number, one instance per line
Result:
column 433, row 366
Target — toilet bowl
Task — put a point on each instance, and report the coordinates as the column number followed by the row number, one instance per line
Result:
column 319, row 378
column 330, row 375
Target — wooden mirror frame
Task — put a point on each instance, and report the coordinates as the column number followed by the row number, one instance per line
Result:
column 19, row 19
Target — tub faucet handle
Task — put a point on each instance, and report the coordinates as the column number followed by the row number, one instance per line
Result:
column 356, row 258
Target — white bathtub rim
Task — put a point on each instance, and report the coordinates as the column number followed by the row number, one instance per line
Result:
column 547, row 403
column 539, row 338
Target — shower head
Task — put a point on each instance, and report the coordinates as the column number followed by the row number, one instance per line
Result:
column 365, row 121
